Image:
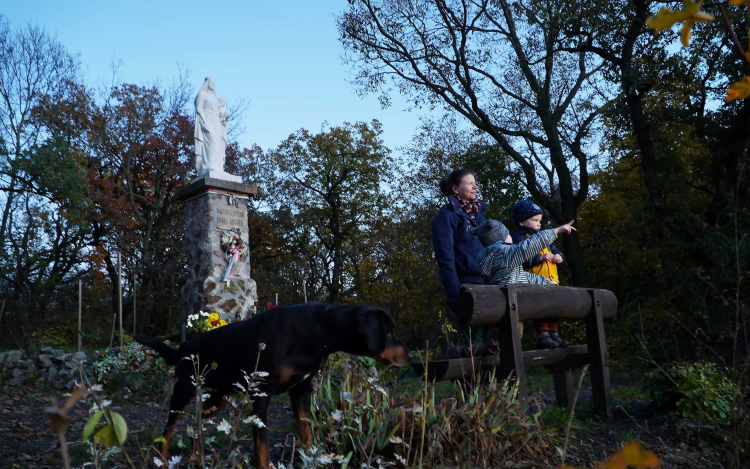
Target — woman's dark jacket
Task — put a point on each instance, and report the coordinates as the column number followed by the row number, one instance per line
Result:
column 456, row 248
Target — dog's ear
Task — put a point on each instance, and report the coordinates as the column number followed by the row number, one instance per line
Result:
column 370, row 325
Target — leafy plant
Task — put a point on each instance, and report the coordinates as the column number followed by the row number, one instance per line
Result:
column 359, row 422
column 698, row 391
column 132, row 367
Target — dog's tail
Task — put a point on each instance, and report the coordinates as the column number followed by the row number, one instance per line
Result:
column 170, row 354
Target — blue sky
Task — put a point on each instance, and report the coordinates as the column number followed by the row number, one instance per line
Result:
column 281, row 56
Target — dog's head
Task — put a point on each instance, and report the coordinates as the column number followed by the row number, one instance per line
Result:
column 377, row 328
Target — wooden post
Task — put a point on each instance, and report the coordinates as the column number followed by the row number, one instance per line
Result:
column 304, row 288
column 119, row 291
column 2, row 310
column 80, row 338
column 277, row 299
column 564, row 391
column 511, row 355
column 134, row 302
column 600, row 383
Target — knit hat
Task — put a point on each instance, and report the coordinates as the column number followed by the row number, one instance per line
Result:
column 490, row 232
column 525, row 209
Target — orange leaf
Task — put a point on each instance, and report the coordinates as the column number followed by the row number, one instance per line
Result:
column 739, row 90
column 635, row 456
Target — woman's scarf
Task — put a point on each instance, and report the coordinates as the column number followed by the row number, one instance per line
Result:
column 471, row 209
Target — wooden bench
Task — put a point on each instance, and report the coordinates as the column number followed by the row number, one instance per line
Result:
column 491, row 304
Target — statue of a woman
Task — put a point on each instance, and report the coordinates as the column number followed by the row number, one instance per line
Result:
column 208, row 131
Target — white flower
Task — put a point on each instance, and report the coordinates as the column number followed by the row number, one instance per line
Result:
column 337, row 416
column 242, row 388
column 255, row 421
column 349, row 397
column 205, row 396
column 158, row 462
column 174, row 461
column 224, row 426
column 395, row 439
column 106, row 404
column 400, row 459
column 261, row 346
column 260, row 374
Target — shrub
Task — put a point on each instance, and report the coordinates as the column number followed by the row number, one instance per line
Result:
column 698, row 391
column 364, row 424
column 134, row 368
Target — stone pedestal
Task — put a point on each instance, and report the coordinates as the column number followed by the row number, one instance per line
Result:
column 213, row 206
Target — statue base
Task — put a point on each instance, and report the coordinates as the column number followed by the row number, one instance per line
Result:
column 213, row 206
column 220, row 175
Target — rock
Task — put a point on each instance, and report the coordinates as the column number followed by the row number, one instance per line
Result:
column 45, row 360
column 39, row 381
column 31, row 368
column 146, row 366
column 28, row 363
column 62, row 357
column 18, row 372
column 13, row 356
column 47, row 349
column 79, row 356
column 63, row 372
column 72, row 364
column 52, row 371
column 15, row 381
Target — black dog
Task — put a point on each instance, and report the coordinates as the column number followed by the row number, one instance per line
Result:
column 297, row 341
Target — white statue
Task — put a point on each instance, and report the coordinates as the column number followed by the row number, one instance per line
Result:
column 211, row 117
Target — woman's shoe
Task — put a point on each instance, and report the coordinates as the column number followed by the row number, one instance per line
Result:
column 544, row 341
column 560, row 341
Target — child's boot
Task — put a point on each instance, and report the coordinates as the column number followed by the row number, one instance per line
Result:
column 556, row 337
column 544, row 341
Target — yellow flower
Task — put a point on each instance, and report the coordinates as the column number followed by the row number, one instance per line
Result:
column 222, row 322
column 213, row 317
column 690, row 15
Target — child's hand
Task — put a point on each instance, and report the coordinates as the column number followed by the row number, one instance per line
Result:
column 557, row 284
column 557, row 259
column 566, row 228
column 548, row 258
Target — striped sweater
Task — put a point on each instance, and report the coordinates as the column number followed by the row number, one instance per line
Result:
column 501, row 263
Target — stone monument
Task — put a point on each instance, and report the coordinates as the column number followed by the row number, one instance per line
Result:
column 216, row 223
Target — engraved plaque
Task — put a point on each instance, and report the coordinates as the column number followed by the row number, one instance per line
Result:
column 229, row 216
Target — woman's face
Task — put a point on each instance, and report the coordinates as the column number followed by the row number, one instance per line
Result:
column 467, row 189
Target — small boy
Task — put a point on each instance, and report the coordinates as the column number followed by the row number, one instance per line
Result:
column 500, row 263
column 527, row 216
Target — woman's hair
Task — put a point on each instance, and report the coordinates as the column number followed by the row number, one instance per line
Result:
column 453, row 179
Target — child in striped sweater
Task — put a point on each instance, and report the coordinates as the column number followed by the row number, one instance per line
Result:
column 501, row 261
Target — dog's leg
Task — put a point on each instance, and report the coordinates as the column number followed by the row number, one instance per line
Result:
column 301, row 397
column 260, row 434
column 181, row 396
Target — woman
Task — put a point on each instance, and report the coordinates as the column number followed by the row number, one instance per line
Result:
column 454, row 244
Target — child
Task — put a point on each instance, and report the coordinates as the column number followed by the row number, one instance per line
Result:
column 500, row 263
column 527, row 217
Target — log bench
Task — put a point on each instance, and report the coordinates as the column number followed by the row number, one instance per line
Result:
column 481, row 305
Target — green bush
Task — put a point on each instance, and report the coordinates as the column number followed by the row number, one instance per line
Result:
column 697, row 391
column 132, row 367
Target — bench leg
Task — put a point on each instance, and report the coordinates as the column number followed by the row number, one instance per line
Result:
column 511, row 355
column 564, row 391
column 600, row 383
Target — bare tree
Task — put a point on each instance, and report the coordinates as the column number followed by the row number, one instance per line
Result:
column 511, row 70
column 33, row 66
